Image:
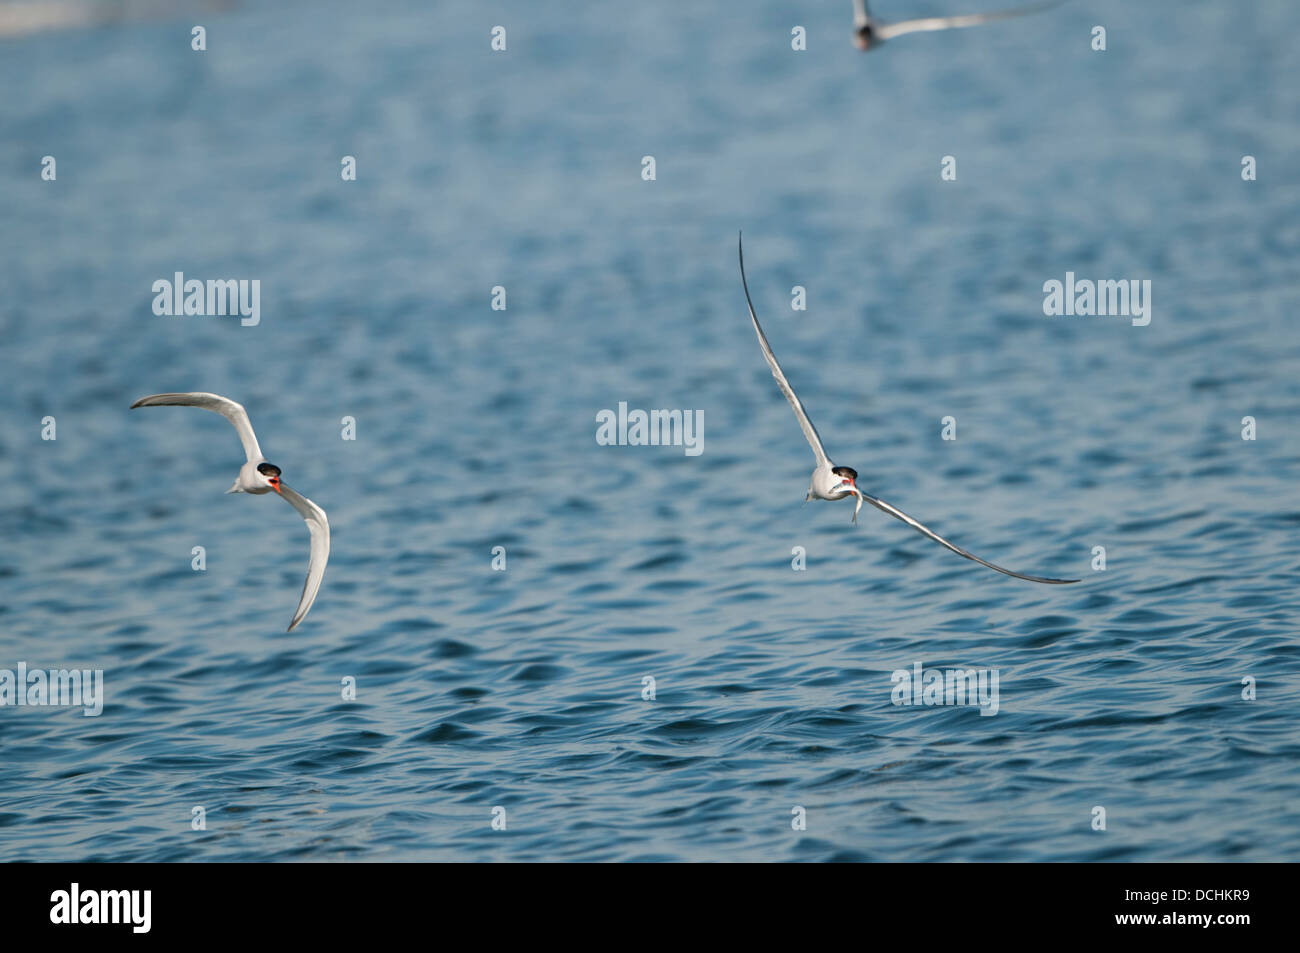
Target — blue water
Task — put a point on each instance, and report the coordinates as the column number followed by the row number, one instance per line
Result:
column 475, row 429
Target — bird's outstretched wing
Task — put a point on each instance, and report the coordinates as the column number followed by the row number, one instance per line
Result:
column 809, row 431
column 224, row 406
column 319, row 527
column 888, row 30
column 926, row 531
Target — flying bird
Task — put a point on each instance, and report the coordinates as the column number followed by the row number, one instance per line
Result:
column 831, row 482
column 868, row 32
column 257, row 476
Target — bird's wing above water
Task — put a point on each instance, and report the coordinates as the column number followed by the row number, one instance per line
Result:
column 887, row 30
column 809, row 431
column 224, row 406
column 926, row 531
column 319, row 527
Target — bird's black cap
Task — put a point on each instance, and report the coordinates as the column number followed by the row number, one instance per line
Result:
column 269, row 469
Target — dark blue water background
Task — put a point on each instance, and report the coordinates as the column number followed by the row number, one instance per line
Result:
column 475, row 429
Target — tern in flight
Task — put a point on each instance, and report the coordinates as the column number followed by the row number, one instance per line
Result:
column 831, row 482
column 869, row 32
column 258, row 476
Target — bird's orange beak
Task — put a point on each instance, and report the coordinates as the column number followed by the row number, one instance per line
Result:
column 275, row 484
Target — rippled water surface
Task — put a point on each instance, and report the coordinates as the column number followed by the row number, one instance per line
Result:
column 475, row 428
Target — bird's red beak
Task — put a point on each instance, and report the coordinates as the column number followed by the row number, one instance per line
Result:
column 275, row 483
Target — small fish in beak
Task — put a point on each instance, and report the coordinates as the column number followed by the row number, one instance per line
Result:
column 852, row 488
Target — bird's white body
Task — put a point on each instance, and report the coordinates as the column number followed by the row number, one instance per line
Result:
column 258, row 477
column 826, row 485
column 250, row 480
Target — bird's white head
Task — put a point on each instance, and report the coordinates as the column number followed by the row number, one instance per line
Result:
column 848, row 486
column 269, row 476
